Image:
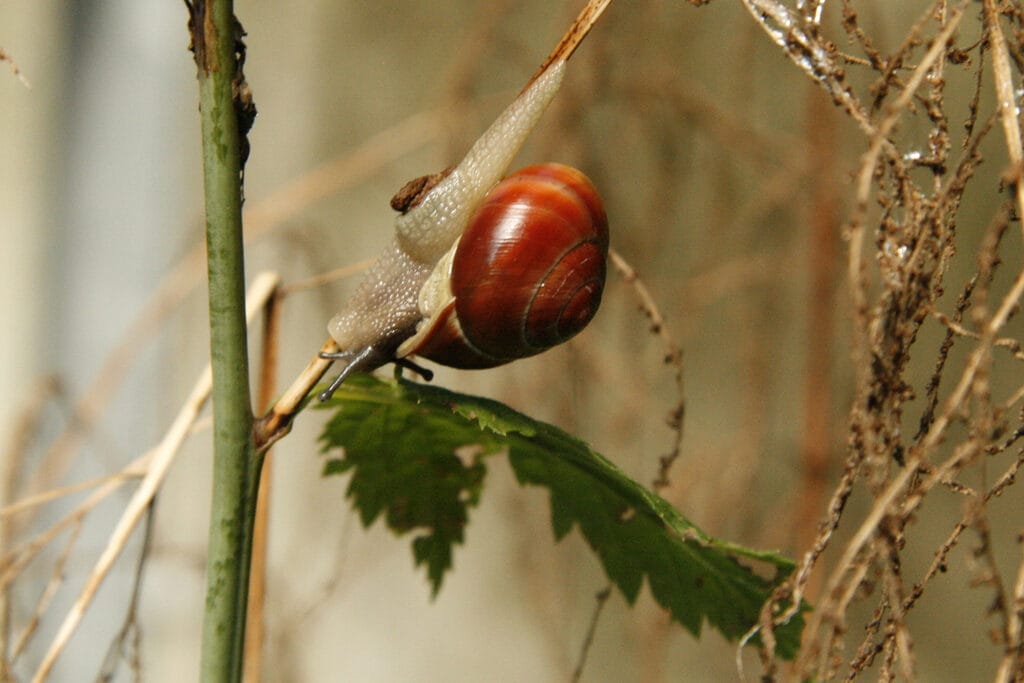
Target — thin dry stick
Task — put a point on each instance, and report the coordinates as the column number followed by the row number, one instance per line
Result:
column 883, row 505
column 25, row 427
column 794, row 589
column 92, row 403
column 16, row 560
column 1012, row 664
column 4, row 57
column 276, row 423
column 828, row 660
column 896, row 109
column 990, row 330
column 939, row 560
column 130, row 633
column 673, row 357
column 880, row 142
column 899, row 641
column 572, row 38
column 938, row 563
column 254, row 626
column 133, row 471
column 56, row 579
column 588, row 640
column 163, row 457
column 809, row 54
column 11, row 461
column 1007, row 101
column 1012, row 345
column 864, row 533
column 1007, row 479
column 987, row 570
column 867, row 649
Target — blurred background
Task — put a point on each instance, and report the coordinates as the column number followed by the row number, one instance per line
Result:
column 727, row 175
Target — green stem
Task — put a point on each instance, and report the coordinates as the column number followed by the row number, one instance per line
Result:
column 235, row 462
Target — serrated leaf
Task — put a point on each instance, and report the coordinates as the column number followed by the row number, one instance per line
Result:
column 405, row 445
column 403, row 462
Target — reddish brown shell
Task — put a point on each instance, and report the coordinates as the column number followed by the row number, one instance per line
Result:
column 528, row 272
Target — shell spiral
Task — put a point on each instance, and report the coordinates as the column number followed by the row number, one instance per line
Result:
column 528, row 271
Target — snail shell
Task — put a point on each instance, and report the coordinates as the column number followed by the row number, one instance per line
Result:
column 383, row 311
column 526, row 274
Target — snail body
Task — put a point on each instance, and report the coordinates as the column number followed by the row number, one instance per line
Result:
column 527, row 273
column 482, row 272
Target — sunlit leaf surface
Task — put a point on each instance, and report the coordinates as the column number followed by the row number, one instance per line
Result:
column 417, row 453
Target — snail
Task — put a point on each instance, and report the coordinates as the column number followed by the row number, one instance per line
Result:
column 482, row 272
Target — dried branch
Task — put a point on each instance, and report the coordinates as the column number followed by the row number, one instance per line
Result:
column 5, row 57
column 1007, row 101
column 673, row 357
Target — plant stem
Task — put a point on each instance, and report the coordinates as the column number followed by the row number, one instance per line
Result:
column 235, row 462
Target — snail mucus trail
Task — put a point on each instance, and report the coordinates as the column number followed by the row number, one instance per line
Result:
column 482, row 272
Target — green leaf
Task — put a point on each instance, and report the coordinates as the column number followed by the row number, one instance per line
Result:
column 416, row 453
column 403, row 462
